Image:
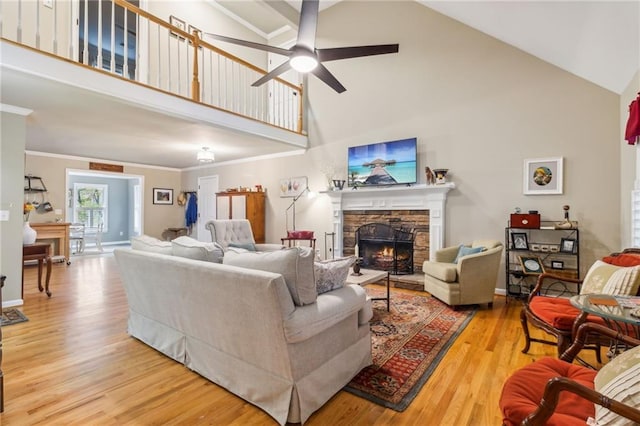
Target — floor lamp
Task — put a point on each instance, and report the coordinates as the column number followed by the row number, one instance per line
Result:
column 293, row 206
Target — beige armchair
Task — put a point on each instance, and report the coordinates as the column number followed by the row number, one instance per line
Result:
column 236, row 232
column 472, row 280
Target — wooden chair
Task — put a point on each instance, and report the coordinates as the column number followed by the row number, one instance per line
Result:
column 556, row 392
column 95, row 237
column 557, row 317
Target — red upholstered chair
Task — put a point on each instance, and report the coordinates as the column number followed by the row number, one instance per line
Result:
column 554, row 392
column 557, row 317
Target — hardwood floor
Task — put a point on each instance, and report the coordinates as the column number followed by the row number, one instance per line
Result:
column 73, row 363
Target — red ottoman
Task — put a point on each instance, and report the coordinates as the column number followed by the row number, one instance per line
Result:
column 523, row 391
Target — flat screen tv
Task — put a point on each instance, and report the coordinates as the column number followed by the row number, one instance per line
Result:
column 383, row 163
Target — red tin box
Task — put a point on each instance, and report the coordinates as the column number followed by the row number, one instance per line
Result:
column 530, row 221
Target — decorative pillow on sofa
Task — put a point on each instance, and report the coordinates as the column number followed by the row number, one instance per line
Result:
column 620, row 380
column 246, row 246
column 610, row 279
column 154, row 245
column 193, row 249
column 331, row 274
column 295, row 264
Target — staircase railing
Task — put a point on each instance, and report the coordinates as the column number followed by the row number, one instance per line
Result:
column 159, row 55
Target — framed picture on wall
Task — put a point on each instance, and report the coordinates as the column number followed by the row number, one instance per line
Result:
column 162, row 196
column 178, row 23
column 293, row 186
column 543, row 176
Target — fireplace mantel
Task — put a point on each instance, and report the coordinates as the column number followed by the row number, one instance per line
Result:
column 415, row 197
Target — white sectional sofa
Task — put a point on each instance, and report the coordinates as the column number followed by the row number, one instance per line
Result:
column 241, row 329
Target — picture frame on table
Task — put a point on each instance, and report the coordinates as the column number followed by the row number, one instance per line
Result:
column 557, row 264
column 519, row 241
column 542, row 176
column 162, row 196
column 567, row 245
column 531, row 265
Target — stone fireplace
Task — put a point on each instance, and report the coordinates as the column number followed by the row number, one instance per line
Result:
column 421, row 207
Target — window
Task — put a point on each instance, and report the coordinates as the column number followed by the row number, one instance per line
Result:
column 90, row 204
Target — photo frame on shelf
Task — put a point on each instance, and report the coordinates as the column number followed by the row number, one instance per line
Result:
column 542, row 176
column 531, row 265
column 557, row 264
column 162, row 196
column 293, row 186
column 567, row 245
column 519, row 241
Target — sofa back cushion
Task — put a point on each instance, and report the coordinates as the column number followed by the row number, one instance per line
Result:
column 295, row 264
column 151, row 244
column 610, row 279
column 197, row 250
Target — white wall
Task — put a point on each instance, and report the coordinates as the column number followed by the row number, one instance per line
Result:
column 477, row 106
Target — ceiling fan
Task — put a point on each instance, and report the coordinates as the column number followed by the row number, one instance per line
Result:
column 304, row 56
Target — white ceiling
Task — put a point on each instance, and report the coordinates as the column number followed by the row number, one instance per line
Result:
column 596, row 40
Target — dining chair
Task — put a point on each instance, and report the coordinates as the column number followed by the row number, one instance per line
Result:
column 95, row 236
column 76, row 237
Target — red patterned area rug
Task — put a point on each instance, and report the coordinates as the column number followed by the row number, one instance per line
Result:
column 408, row 344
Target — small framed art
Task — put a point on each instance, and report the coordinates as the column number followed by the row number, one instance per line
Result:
column 557, row 264
column 567, row 245
column 293, row 186
column 179, row 23
column 162, row 196
column 531, row 265
column 519, row 241
column 543, row 176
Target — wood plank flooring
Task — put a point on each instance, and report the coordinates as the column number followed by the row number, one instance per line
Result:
column 73, row 363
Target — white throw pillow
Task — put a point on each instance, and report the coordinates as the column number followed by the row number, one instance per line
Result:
column 197, row 250
column 331, row 274
column 610, row 279
column 295, row 264
column 619, row 380
column 151, row 244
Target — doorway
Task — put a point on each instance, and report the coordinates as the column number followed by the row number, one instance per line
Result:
column 120, row 209
column 207, row 189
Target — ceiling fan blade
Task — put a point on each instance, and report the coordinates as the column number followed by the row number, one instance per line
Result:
column 325, row 75
column 355, row 51
column 284, row 67
column 260, row 46
column 308, row 24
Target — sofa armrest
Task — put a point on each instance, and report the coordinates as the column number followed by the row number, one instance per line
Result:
column 268, row 247
column 330, row 308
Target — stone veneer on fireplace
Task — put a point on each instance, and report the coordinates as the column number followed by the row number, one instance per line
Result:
column 431, row 198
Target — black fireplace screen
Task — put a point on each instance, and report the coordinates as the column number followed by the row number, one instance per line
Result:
column 386, row 247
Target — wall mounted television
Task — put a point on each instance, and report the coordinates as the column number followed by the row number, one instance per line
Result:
column 383, row 163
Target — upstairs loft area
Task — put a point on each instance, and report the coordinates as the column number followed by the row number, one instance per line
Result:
column 169, row 57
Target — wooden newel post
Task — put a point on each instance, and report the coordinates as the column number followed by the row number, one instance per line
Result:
column 300, row 104
column 195, row 83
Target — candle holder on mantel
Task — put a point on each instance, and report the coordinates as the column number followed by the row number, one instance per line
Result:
column 356, row 267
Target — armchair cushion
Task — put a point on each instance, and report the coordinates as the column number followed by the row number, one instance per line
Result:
column 558, row 312
column 610, row 279
column 151, row 244
column 619, row 380
column 295, row 264
column 246, row 246
column 522, row 391
column 465, row 251
column 447, row 272
column 623, row 259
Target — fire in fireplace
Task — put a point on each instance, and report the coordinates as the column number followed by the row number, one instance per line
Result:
column 386, row 247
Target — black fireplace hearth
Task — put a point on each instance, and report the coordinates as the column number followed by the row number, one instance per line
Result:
column 386, row 247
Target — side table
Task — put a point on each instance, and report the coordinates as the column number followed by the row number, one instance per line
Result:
column 290, row 241
column 39, row 252
column 369, row 276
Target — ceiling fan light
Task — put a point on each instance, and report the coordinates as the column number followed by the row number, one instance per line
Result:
column 205, row 156
column 303, row 63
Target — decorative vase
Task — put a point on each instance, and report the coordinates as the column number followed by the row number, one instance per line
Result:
column 29, row 234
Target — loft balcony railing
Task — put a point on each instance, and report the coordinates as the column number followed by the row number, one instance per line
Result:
column 151, row 52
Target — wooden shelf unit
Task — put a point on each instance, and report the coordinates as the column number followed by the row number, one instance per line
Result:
column 244, row 205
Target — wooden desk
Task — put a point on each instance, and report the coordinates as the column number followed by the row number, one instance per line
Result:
column 39, row 252
column 55, row 231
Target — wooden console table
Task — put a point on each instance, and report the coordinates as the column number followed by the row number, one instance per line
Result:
column 39, row 252
column 55, row 231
